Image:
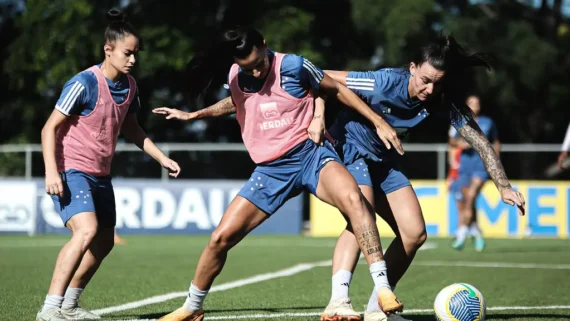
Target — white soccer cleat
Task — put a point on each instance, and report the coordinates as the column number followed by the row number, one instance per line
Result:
column 340, row 310
column 79, row 313
column 53, row 314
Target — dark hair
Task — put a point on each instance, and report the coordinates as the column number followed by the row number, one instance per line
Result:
column 118, row 28
column 445, row 54
column 219, row 56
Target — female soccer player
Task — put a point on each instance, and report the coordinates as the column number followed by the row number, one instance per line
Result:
column 404, row 98
column 271, row 94
column 472, row 176
column 78, row 143
column 454, row 186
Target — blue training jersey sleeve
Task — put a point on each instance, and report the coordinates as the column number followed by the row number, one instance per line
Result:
column 75, row 95
column 366, row 83
column 309, row 75
column 136, row 103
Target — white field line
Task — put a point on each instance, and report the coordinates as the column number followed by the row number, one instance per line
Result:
column 495, row 265
column 479, row 264
column 217, row 288
column 228, row 286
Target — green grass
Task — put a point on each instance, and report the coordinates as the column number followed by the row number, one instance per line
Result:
column 155, row 265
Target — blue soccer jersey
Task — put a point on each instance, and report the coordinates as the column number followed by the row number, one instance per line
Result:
column 298, row 76
column 80, row 94
column 386, row 92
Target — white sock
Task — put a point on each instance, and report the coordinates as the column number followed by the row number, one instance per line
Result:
column 52, row 301
column 461, row 233
column 379, row 274
column 373, row 301
column 71, row 297
column 195, row 298
column 340, row 284
column 474, row 230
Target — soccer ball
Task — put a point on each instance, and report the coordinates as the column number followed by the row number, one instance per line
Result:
column 459, row 302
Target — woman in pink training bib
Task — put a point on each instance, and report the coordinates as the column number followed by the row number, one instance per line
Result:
column 78, row 143
column 272, row 95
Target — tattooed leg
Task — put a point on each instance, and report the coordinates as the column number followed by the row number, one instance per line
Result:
column 369, row 241
column 337, row 187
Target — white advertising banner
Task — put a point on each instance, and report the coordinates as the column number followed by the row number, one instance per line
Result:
column 18, row 206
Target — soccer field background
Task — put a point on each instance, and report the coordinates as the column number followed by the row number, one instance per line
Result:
column 287, row 278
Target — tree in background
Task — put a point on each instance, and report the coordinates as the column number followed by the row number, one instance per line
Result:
column 46, row 41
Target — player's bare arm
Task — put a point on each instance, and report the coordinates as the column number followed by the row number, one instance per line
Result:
column 223, row 107
column 332, row 88
column 479, row 142
column 475, row 137
column 338, row 75
column 317, row 127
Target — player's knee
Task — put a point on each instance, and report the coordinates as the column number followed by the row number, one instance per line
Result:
column 421, row 238
column 85, row 235
column 470, row 196
column 221, row 241
column 414, row 238
column 352, row 204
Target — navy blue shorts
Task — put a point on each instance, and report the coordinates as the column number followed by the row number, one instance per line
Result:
column 455, row 189
column 471, row 166
column 384, row 176
column 83, row 192
column 275, row 182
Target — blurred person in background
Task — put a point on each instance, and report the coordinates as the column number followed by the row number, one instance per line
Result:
column 562, row 161
column 118, row 239
column 452, row 182
column 472, row 176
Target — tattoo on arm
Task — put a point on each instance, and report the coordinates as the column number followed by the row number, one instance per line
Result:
column 223, row 107
column 369, row 241
column 473, row 135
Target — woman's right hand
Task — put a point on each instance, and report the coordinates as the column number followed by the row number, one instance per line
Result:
column 389, row 136
column 172, row 113
column 54, row 185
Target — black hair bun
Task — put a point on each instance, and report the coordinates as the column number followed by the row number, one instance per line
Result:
column 115, row 15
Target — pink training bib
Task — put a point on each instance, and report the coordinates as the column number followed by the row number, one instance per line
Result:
column 272, row 121
column 87, row 143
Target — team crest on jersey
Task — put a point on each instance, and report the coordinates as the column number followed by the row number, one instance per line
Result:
column 269, row 110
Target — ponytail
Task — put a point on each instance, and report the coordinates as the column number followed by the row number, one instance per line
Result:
column 219, row 57
column 445, row 54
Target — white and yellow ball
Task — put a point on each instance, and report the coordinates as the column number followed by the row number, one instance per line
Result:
column 459, row 302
